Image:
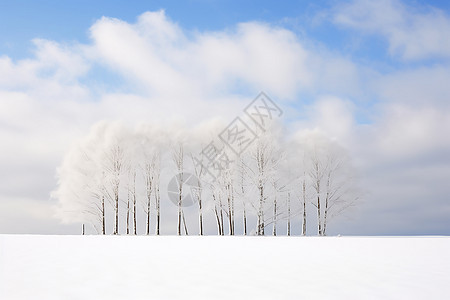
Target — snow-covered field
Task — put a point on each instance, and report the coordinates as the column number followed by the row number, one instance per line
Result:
column 169, row 267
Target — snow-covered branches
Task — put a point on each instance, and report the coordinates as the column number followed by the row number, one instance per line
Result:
column 114, row 175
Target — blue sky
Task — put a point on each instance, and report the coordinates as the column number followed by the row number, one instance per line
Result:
column 68, row 21
column 372, row 75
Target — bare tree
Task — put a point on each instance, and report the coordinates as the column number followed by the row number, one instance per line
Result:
column 316, row 174
column 274, row 230
column 96, row 186
column 226, row 181
column 304, row 203
column 131, row 201
column 199, row 169
column 340, row 192
column 114, row 165
column 279, row 212
column 288, row 200
column 178, row 159
column 265, row 160
column 331, row 181
column 149, row 178
column 156, row 182
column 261, row 162
column 128, row 213
column 242, row 186
column 216, row 212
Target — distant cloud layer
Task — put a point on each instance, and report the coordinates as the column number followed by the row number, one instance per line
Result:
column 412, row 34
column 394, row 121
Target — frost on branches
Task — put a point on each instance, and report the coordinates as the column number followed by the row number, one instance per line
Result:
column 155, row 180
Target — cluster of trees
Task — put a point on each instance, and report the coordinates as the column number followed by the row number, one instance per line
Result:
column 112, row 180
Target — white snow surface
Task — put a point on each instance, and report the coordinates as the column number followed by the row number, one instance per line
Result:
column 170, row 267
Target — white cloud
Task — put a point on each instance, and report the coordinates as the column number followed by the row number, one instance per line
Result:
column 159, row 55
column 420, row 87
column 412, row 33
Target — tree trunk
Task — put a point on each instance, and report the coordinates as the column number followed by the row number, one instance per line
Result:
column 289, row 214
column 116, row 228
column 230, row 210
column 103, row 216
column 179, row 202
column 318, row 216
column 200, row 216
column 219, row 230
column 304, row 207
column 185, row 226
column 128, row 213
column 179, row 219
column 82, row 229
column 158, row 209
column 274, row 231
column 243, row 197
column 261, row 210
column 222, row 231
column 245, row 221
column 326, row 204
column 134, row 214
column 148, row 215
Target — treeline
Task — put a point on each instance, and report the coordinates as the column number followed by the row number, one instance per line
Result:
column 120, row 180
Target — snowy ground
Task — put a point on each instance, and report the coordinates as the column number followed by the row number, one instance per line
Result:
column 97, row 267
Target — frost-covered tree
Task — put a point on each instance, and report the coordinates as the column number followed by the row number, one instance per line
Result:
column 262, row 168
column 330, row 176
column 178, row 159
column 114, row 168
column 199, row 169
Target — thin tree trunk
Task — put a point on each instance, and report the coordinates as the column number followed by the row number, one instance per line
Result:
column 244, row 212
column 200, row 209
column 222, row 231
column 134, row 214
column 245, row 221
column 158, row 209
column 274, row 231
column 261, row 210
column 232, row 210
column 116, row 160
column 116, row 229
column 243, row 197
column 148, row 215
column 219, row 228
column 304, row 207
column 179, row 159
column 185, row 226
column 82, row 229
column 326, row 204
column 179, row 203
column 289, row 214
column 200, row 217
column 179, row 219
column 128, row 213
column 149, row 182
column 317, row 175
column 318, row 216
column 133, row 195
column 103, row 216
